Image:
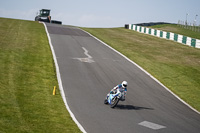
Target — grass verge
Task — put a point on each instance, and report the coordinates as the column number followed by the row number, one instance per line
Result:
column 175, row 65
column 27, row 77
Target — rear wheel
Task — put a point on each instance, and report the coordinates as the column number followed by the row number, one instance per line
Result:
column 114, row 102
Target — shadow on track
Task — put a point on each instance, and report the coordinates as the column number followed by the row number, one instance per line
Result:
column 131, row 107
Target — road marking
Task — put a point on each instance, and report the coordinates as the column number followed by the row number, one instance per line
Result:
column 88, row 59
column 151, row 125
column 86, row 53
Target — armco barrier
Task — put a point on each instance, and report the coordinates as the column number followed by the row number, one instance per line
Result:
column 167, row 35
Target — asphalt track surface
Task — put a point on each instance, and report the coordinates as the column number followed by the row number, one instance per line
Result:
column 89, row 70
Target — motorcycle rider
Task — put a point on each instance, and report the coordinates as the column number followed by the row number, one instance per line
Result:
column 122, row 88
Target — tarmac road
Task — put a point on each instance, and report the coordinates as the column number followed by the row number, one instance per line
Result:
column 89, row 70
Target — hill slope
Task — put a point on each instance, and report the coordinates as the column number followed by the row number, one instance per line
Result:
column 27, row 78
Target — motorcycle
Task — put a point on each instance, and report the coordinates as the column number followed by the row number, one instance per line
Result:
column 113, row 99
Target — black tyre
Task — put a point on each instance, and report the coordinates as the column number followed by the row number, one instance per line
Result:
column 114, row 102
column 105, row 101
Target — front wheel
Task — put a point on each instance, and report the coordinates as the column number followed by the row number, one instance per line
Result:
column 114, row 102
column 105, row 101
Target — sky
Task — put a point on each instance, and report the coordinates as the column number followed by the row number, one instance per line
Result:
column 104, row 13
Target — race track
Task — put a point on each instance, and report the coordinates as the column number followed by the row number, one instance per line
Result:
column 89, row 70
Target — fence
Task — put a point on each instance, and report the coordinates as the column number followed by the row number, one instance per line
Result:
column 167, row 35
column 189, row 26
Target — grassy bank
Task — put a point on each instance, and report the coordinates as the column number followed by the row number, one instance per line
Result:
column 174, row 28
column 27, row 77
column 177, row 66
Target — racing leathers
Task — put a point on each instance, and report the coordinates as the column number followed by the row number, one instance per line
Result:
column 121, row 89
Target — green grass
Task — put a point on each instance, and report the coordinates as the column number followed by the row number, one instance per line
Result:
column 175, row 65
column 174, row 28
column 27, row 78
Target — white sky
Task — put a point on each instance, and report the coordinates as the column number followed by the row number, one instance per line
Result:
column 104, row 13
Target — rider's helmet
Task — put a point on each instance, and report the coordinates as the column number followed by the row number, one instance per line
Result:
column 124, row 84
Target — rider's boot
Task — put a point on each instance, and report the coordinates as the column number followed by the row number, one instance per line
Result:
column 107, row 95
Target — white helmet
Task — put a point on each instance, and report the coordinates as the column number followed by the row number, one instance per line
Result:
column 124, row 84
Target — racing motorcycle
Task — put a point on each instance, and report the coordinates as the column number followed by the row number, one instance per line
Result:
column 113, row 99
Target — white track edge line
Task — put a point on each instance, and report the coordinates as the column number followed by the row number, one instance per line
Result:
column 60, row 83
column 144, row 72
